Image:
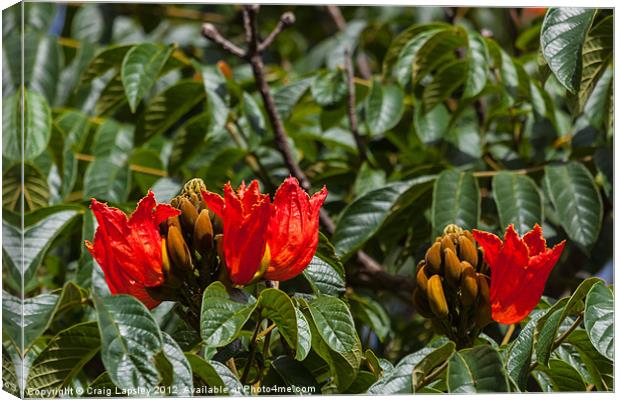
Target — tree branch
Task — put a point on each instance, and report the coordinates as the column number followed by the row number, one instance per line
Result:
column 210, row 32
column 287, row 19
column 348, row 66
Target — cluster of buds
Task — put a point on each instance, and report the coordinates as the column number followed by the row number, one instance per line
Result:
column 453, row 286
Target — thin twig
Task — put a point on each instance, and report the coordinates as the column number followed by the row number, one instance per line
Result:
column 132, row 167
column 348, row 67
column 508, row 335
column 210, row 32
column 287, row 19
column 253, row 346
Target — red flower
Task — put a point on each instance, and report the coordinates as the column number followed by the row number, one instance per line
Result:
column 293, row 230
column 519, row 270
column 129, row 251
column 245, row 215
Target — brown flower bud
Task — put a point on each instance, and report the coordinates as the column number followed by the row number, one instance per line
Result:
column 177, row 249
column 468, row 251
column 433, row 258
column 174, row 221
column 421, row 278
column 189, row 214
column 452, row 268
column 436, row 297
column 469, row 284
column 202, row 239
column 483, row 309
column 420, row 303
column 447, row 243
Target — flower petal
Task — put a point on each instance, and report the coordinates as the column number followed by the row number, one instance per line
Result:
column 491, row 245
column 535, row 241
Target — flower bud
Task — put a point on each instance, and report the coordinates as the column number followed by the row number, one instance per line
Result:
column 468, row 251
column 174, row 221
column 177, row 249
column 433, row 258
column 202, row 238
column 436, row 297
column 469, row 285
column 420, row 303
column 189, row 214
column 447, row 243
column 421, row 278
column 452, row 228
column 483, row 309
column 452, row 268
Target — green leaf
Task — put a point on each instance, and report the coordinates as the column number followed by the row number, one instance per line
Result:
column 561, row 40
column 254, row 117
column 112, row 96
column 559, row 377
column 167, row 108
column 286, row 97
column 105, row 60
column 141, row 66
column 597, row 56
column 477, row 65
column 63, row 358
column 518, row 201
column 182, row 383
column 599, row 319
column 431, row 126
column 88, row 24
column 278, row 307
column 37, row 240
column 476, row 370
column 384, row 107
column 372, row 314
column 304, row 337
column 146, row 160
column 576, row 200
column 36, row 313
column 407, row 45
column 363, row 218
column 597, row 365
column 37, row 126
column 438, row 51
column 324, row 278
column 456, row 200
column 334, row 323
column 221, row 318
column 329, row 87
column 130, row 339
column 30, row 182
column 188, row 140
column 549, row 325
column 599, row 106
column 219, row 378
column 519, row 355
column 447, row 79
column 431, row 361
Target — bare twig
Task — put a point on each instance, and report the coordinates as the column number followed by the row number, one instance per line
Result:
column 287, row 19
column 348, row 66
column 341, row 24
column 210, row 32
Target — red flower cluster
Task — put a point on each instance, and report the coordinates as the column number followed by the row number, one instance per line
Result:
column 519, row 270
column 129, row 250
column 275, row 240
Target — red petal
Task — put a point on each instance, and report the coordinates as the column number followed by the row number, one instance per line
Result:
column 490, row 244
column 144, row 210
column 535, row 241
column 163, row 212
column 214, row 201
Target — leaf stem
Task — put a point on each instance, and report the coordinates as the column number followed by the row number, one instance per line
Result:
column 253, row 346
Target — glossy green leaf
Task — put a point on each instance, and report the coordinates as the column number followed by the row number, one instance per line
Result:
column 334, row 322
column 598, row 366
column 63, row 358
column 427, row 364
column 324, row 278
column 576, row 201
column 88, row 24
column 371, row 313
column 438, row 51
column 363, row 218
column 599, row 106
column 561, row 40
column 559, row 377
column 456, row 200
column 477, row 65
column 599, row 319
column 329, row 87
column 447, row 79
column 519, row 354
column 417, row 36
column 518, row 201
column 166, row 108
column 597, row 56
column 181, row 383
column 37, row 126
column 187, row 141
column 105, row 60
column 149, row 161
column 278, row 307
column 31, row 183
column 141, row 66
column 36, row 312
column 304, row 336
column 384, row 107
column 130, row 339
column 286, row 97
column 222, row 318
column 219, row 378
column 476, row 370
